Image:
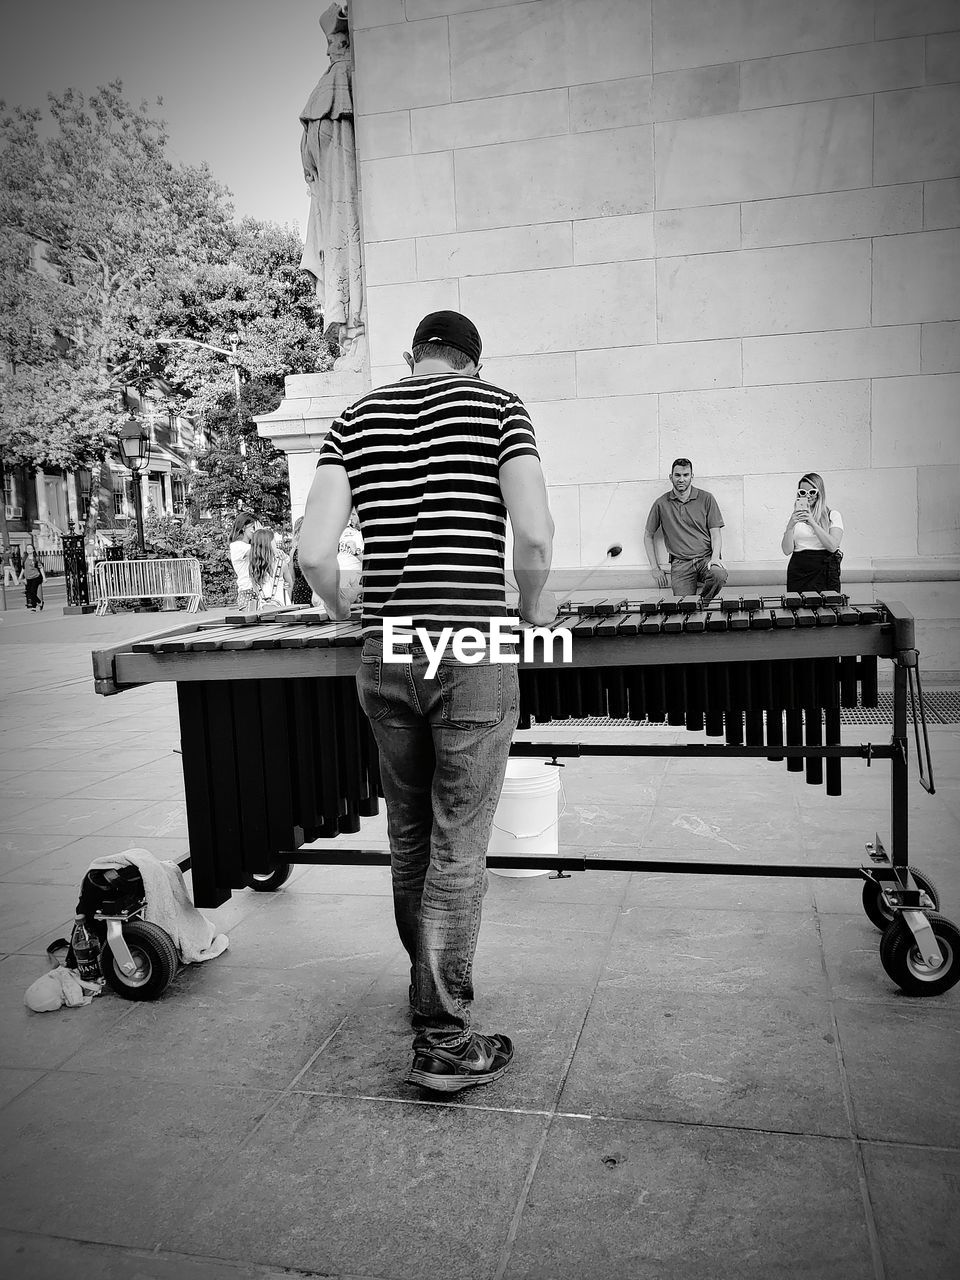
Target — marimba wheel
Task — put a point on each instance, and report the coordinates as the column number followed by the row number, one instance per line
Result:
column 270, row 881
column 878, row 911
column 903, row 963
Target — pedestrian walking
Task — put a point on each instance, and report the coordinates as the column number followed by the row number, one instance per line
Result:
column 32, row 576
column 10, row 570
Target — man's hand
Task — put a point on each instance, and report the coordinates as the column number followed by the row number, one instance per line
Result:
column 716, row 561
column 661, row 578
column 543, row 612
column 346, row 598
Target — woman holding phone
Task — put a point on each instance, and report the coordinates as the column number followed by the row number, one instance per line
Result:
column 812, row 539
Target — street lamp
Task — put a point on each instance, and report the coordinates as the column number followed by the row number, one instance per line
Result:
column 233, row 358
column 133, row 444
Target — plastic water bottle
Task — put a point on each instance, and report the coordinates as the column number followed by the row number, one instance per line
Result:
column 86, row 950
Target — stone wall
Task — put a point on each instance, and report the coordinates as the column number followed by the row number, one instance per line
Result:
column 720, row 228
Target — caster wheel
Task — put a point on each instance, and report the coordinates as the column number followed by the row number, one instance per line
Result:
column 156, row 958
column 902, row 962
column 270, row 881
column 878, row 911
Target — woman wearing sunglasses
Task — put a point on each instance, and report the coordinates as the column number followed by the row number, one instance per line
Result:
column 812, row 539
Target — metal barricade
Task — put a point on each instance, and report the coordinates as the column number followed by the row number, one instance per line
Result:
column 115, row 581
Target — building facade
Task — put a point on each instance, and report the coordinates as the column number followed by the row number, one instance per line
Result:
column 708, row 228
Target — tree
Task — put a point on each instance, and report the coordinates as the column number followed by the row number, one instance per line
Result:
column 255, row 300
column 114, row 228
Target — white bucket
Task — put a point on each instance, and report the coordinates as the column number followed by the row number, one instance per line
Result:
column 528, row 817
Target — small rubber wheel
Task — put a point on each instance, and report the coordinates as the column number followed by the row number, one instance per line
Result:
column 903, row 963
column 270, row 881
column 878, row 911
column 156, row 958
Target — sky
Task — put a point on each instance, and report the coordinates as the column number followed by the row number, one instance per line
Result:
column 233, row 76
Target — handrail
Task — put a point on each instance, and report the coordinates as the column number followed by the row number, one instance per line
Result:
column 116, row 580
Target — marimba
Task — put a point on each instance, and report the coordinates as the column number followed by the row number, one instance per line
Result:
column 278, row 755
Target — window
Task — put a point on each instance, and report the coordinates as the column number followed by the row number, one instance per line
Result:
column 120, row 497
column 179, row 498
column 83, row 494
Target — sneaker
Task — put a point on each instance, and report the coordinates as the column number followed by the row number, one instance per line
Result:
column 481, row 1060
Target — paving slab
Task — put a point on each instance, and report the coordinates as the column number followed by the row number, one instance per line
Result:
column 554, row 951
column 73, row 815
column 901, row 1070
column 42, row 1041
column 371, row 1052
column 649, row 890
column 19, row 848
column 702, row 952
column 677, row 1107
column 592, row 826
column 26, row 909
column 68, row 864
column 916, row 1196
column 162, row 819
column 739, row 1061
column 136, row 1155
column 298, row 931
column 357, row 1185
column 14, row 1080
column 36, row 1257
column 636, row 1200
column 221, row 1025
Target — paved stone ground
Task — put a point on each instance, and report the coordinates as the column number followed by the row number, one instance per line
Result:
column 714, row 1076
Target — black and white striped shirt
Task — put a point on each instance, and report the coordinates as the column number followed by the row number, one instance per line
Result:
column 423, row 459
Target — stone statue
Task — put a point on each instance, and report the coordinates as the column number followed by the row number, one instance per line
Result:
column 332, row 249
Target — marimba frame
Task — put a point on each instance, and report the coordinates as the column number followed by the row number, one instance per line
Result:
column 920, row 950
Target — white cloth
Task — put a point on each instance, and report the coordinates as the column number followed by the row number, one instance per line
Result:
column 240, row 559
column 57, row 988
column 804, row 539
column 168, row 904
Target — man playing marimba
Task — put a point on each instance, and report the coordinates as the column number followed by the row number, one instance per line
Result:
column 690, row 522
column 433, row 464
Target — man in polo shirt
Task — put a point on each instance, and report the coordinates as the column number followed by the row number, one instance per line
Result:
column 690, row 522
column 433, row 464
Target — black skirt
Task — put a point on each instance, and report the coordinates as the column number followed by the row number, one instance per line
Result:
column 302, row 592
column 813, row 571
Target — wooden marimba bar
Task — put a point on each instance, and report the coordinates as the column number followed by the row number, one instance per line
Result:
column 763, row 700
column 277, row 753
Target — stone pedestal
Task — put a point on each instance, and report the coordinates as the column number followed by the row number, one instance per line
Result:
column 299, row 424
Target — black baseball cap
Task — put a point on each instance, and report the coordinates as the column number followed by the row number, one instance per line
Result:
column 452, row 329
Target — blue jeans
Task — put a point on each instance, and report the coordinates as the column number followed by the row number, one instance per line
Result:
column 685, row 575
column 443, row 746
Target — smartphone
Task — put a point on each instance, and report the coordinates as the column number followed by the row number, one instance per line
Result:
column 801, row 504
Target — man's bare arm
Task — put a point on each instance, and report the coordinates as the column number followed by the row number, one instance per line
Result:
column 660, row 575
column 525, row 497
column 326, row 515
column 716, row 541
